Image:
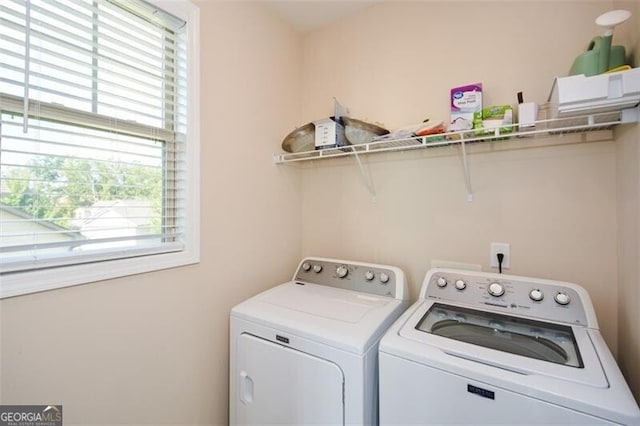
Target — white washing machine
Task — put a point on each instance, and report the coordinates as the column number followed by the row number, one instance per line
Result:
column 306, row 352
column 483, row 348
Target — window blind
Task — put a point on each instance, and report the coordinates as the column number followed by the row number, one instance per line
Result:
column 97, row 173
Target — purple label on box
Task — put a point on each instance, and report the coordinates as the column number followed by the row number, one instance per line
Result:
column 465, row 98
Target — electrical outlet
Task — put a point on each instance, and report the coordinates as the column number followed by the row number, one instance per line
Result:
column 504, row 248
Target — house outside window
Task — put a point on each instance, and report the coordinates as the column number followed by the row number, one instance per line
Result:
column 99, row 140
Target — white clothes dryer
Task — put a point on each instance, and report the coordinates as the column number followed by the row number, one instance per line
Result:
column 483, row 348
column 306, row 352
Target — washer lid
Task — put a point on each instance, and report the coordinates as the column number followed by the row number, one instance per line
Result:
column 342, row 318
column 534, row 339
column 504, row 341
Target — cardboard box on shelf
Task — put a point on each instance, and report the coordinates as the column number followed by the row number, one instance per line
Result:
column 466, row 107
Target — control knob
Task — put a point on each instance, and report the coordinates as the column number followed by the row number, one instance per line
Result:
column 368, row 275
column 442, row 282
column 562, row 298
column 496, row 289
column 317, row 268
column 342, row 271
column 536, row 295
column 460, row 285
column 384, row 278
column 306, row 267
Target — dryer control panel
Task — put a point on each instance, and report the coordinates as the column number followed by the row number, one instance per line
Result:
column 380, row 280
column 536, row 298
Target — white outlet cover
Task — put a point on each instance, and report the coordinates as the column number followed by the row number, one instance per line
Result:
column 504, row 248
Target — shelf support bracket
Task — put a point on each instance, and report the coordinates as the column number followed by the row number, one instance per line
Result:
column 630, row 115
column 365, row 175
column 467, row 175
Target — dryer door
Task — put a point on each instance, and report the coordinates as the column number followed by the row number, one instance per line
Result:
column 280, row 385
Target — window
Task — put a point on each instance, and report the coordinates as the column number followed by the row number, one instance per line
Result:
column 98, row 140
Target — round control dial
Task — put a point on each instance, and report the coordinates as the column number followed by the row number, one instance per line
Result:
column 342, row 271
column 317, row 268
column 562, row 298
column 368, row 275
column 442, row 282
column 496, row 289
column 460, row 285
column 306, row 267
column 384, row 278
column 536, row 295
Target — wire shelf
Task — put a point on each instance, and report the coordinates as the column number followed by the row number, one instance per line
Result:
column 541, row 128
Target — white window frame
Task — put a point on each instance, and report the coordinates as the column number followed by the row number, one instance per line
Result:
column 25, row 282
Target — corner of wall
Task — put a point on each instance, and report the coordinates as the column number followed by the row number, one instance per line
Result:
column 628, row 208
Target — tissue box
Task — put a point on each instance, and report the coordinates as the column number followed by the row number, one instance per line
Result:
column 582, row 95
column 329, row 133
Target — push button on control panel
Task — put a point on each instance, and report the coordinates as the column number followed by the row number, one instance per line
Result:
column 536, row 295
column 562, row 298
column 342, row 271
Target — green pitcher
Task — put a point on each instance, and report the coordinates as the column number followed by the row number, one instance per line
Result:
column 601, row 56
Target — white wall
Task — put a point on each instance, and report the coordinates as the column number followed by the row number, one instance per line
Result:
column 628, row 207
column 395, row 63
column 153, row 349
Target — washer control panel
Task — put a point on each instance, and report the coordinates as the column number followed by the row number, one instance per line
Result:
column 365, row 278
column 541, row 299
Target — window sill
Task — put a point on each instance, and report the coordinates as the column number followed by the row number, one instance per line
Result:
column 22, row 283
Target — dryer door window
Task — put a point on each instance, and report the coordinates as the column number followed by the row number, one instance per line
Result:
column 534, row 339
column 280, row 385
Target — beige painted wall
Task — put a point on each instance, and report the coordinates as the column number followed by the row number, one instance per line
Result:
column 395, row 63
column 628, row 207
column 153, row 349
